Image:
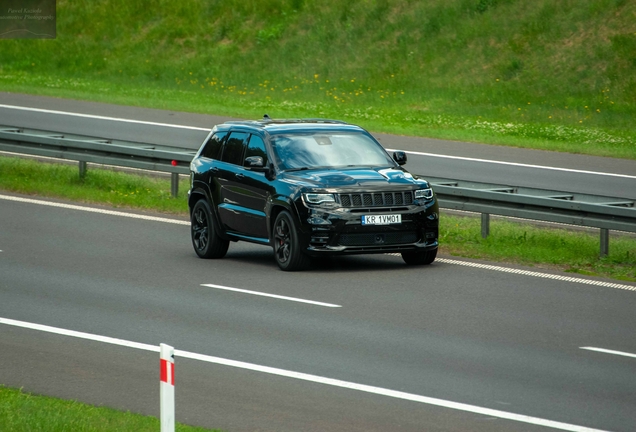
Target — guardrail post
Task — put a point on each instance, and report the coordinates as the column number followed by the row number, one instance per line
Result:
column 82, row 170
column 174, row 187
column 166, row 393
column 485, row 225
column 604, row 242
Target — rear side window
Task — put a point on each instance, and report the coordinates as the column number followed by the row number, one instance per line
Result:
column 212, row 148
column 233, row 149
column 256, row 147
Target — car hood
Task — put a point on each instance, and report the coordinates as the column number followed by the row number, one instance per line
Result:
column 354, row 177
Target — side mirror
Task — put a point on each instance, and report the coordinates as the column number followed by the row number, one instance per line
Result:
column 399, row 157
column 254, row 162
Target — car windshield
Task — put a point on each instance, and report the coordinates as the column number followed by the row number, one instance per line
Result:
column 328, row 150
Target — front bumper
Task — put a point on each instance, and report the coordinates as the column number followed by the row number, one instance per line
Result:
column 340, row 231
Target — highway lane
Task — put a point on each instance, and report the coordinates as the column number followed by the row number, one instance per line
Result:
column 489, row 339
column 428, row 157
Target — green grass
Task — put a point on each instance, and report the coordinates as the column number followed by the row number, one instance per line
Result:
column 102, row 186
column 527, row 244
column 512, row 242
column 25, row 412
column 541, row 74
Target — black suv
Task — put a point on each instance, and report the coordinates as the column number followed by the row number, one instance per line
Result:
column 308, row 187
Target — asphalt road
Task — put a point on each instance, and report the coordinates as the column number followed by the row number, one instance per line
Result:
column 448, row 347
column 485, row 338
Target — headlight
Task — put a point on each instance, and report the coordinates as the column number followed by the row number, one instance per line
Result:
column 424, row 193
column 319, row 199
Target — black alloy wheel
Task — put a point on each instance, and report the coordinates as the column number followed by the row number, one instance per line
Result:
column 419, row 258
column 287, row 251
column 205, row 240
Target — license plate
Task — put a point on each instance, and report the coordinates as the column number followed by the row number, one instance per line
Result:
column 381, row 219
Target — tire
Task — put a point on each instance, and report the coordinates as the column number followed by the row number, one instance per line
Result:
column 205, row 239
column 419, row 258
column 287, row 251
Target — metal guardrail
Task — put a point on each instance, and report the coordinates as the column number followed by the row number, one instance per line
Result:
column 527, row 203
column 174, row 160
column 595, row 211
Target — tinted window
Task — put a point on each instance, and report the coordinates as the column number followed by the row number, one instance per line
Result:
column 256, row 147
column 213, row 146
column 233, row 149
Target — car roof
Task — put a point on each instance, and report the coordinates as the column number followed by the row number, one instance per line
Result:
column 274, row 126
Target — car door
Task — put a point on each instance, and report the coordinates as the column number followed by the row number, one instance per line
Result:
column 255, row 191
column 228, row 184
column 242, row 191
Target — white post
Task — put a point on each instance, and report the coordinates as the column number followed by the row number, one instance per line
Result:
column 166, row 374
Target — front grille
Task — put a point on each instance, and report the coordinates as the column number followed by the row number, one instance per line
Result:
column 376, row 199
column 379, row 239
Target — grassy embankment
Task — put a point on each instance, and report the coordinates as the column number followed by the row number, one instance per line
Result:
column 541, row 74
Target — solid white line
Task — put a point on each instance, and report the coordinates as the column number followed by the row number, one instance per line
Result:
column 518, row 164
column 271, row 295
column 94, row 210
column 310, row 378
column 101, row 117
column 537, row 274
column 606, row 351
column 80, row 335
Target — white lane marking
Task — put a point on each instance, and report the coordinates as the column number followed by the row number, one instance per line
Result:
column 307, row 377
column 93, row 210
column 442, row 260
column 537, row 274
column 101, row 117
column 606, row 351
column 77, row 334
column 518, row 164
column 271, row 295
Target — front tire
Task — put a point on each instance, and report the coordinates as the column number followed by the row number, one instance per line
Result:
column 287, row 251
column 205, row 239
column 419, row 258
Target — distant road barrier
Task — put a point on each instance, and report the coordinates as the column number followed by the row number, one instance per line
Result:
column 584, row 210
column 174, row 160
column 527, row 203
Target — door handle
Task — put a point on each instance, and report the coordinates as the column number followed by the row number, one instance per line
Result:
column 240, row 176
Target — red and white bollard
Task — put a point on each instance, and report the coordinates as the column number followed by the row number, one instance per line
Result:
column 166, row 392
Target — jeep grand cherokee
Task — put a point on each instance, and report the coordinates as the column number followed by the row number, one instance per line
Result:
column 308, row 187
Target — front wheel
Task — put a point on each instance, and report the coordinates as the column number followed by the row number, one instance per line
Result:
column 287, row 252
column 205, row 239
column 419, row 258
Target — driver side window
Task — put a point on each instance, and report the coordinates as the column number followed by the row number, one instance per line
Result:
column 256, row 147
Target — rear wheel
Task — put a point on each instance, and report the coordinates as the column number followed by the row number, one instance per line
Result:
column 287, row 251
column 205, row 239
column 419, row 258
